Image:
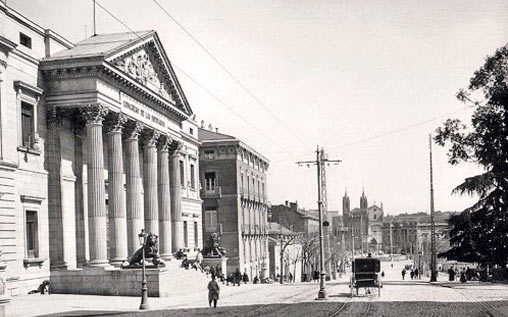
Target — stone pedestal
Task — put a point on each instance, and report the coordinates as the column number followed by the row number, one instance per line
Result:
column 113, row 281
column 222, row 262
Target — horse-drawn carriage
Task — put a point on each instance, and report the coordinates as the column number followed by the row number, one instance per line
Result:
column 365, row 274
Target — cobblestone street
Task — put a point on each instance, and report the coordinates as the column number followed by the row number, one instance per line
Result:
column 398, row 298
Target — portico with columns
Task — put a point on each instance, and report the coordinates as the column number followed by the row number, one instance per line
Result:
column 120, row 125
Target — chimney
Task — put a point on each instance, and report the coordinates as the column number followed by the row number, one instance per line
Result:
column 287, row 203
column 202, row 124
column 210, row 127
column 217, row 130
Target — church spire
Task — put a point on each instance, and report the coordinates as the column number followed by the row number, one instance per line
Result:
column 346, row 206
column 363, row 200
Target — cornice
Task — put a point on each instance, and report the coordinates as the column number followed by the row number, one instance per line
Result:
column 35, row 90
column 5, row 42
column 96, row 67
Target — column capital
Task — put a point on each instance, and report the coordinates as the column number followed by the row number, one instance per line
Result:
column 132, row 129
column 175, row 148
column 150, row 137
column 94, row 113
column 164, row 143
column 54, row 115
column 115, row 122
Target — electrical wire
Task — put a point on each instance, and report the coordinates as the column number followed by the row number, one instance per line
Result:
column 389, row 132
column 231, row 75
column 200, row 85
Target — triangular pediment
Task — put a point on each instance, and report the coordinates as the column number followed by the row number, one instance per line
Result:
column 145, row 61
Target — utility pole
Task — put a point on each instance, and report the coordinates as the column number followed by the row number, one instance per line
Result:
column 320, row 162
column 433, row 259
column 391, row 240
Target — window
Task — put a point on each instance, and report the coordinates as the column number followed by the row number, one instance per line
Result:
column 241, row 180
column 32, row 234
column 25, row 40
column 210, row 181
column 182, row 174
column 185, row 237
column 191, row 131
column 27, row 124
column 248, row 183
column 192, row 177
column 196, row 234
column 209, row 154
column 375, row 216
column 211, row 217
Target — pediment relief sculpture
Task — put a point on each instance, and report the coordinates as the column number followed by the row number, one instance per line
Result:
column 140, row 67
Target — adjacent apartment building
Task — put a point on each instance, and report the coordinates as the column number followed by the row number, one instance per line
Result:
column 235, row 205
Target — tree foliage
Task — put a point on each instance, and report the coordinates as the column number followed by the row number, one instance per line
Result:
column 480, row 232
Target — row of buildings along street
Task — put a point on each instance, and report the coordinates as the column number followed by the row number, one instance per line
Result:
column 110, row 183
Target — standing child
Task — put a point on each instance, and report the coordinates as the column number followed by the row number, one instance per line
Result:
column 213, row 292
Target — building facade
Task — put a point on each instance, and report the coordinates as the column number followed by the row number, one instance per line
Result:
column 362, row 226
column 97, row 143
column 235, row 204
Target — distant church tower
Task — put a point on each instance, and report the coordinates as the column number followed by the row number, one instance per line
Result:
column 346, row 206
column 363, row 201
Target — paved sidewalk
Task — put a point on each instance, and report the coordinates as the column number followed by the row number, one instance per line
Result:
column 246, row 294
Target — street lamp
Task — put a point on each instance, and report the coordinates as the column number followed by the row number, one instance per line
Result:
column 144, row 288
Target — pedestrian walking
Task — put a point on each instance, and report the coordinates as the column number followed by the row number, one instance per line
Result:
column 403, row 273
column 412, row 273
column 290, row 277
column 213, row 292
column 417, row 273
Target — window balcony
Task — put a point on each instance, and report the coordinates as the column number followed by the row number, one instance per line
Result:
column 211, row 193
column 213, row 228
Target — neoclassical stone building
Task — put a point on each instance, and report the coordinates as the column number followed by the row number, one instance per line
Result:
column 97, row 143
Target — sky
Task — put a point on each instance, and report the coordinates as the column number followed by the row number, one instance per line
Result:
column 347, row 75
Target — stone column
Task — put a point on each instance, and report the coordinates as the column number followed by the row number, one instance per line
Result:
column 94, row 114
column 150, row 137
column 133, row 181
column 176, row 196
column 116, row 194
column 54, row 118
column 164, row 197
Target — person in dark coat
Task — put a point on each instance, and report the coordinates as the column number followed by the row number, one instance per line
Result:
column 316, row 276
column 245, row 277
column 451, row 274
column 403, row 273
column 237, row 277
column 213, row 292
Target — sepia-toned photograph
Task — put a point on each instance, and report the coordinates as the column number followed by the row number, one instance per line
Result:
column 287, row 158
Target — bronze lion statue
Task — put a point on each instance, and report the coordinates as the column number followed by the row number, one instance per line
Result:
column 212, row 248
column 151, row 251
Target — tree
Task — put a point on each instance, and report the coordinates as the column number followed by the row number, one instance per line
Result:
column 480, row 232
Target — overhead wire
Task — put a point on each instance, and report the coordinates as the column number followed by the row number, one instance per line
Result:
column 389, row 132
column 231, row 75
column 200, row 85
